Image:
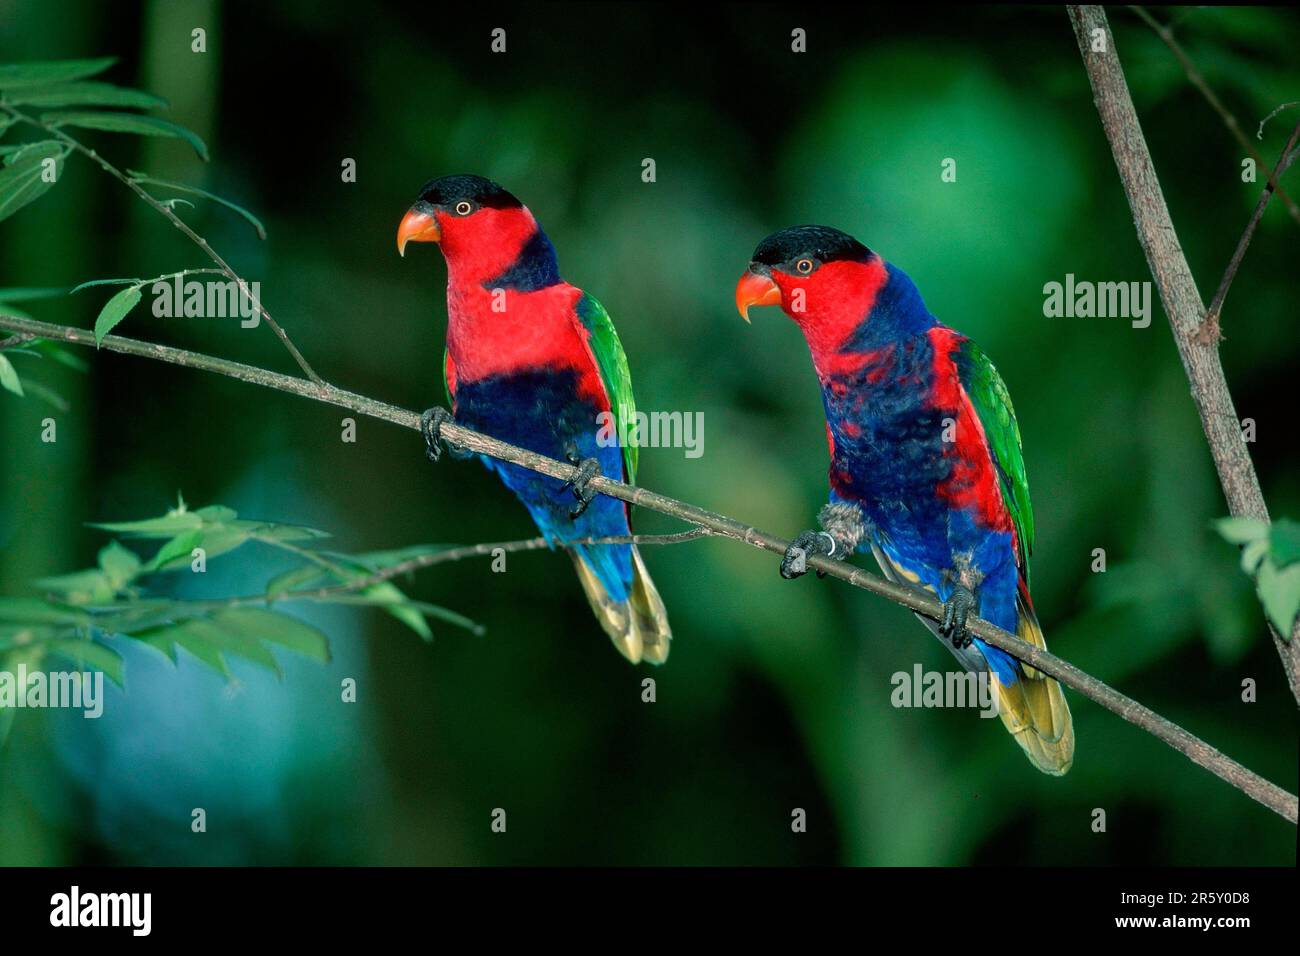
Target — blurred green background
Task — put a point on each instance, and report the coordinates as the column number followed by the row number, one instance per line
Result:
column 777, row 694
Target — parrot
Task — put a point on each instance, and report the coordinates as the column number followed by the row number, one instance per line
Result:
column 535, row 362
column 927, row 471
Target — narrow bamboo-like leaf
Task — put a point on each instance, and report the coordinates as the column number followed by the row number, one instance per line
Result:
column 118, row 564
column 91, row 586
column 175, row 552
column 24, row 179
column 14, row 610
column 394, row 601
column 141, row 614
column 47, row 395
column 92, row 656
column 61, row 354
column 1252, row 554
column 1279, row 592
column 193, row 636
column 44, row 147
column 94, row 282
column 261, row 625
column 1241, row 530
column 216, row 514
column 1284, row 538
column 129, row 123
column 14, row 76
column 272, row 533
column 29, row 294
column 294, row 579
column 377, row 560
column 9, row 377
column 194, row 190
column 115, row 310
column 170, row 524
column 85, row 94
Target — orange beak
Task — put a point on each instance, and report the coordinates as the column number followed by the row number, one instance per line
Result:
column 754, row 288
column 416, row 227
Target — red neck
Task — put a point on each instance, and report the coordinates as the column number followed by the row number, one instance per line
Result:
column 835, row 300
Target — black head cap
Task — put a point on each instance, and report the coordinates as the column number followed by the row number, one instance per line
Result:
column 821, row 243
column 450, row 190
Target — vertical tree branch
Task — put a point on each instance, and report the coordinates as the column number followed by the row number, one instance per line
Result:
column 1178, row 293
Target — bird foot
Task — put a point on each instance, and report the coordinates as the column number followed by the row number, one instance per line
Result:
column 795, row 562
column 588, row 468
column 955, row 612
column 431, row 423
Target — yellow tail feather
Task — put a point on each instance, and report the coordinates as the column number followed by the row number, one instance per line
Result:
column 638, row 626
column 1033, row 709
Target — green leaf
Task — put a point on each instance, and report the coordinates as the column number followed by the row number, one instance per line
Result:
column 129, row 123
column 61, row 354
column 35, row 611
column 1284, row 536
column 23, row 179
column 29, row 294
column 93, row 282
column 9, row 377
column 294, row 579
column 259, row 624
column 1240, row 530
column 175, row 553
column 141, row 614
column 80, row 587
column 252, row 220
column 193, row 636
column 118, row 564
column 86, row 94
column 1252, row 554
column 115, row 310
column 378, row 560
column 172, row 523
column 14, row 76
column 239, row 632
column 217, row 514
column 1279, row 591
column 388, row 594
column 272, row 533
column 90, row 656
column 44, row 147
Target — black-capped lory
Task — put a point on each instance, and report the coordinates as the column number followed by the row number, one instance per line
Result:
column 926, row 471
column 535, row 361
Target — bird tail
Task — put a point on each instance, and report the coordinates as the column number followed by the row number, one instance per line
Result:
column 638, row 625
column 1033, row 707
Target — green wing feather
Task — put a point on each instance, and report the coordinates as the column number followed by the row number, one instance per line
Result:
column 446, row 379
column 612, row 362
column 992, row 402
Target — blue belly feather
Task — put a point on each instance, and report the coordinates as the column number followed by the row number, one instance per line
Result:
column 539, row 409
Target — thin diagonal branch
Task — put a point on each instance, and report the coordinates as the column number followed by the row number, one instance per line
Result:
column 14, row 341
column 166, row 212
column 1209, row 333
column 1197, row 80
column 1195, row 749
column 1178, row 292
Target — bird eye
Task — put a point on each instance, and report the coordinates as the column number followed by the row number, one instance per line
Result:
column 464, row 208
column 804, row 266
